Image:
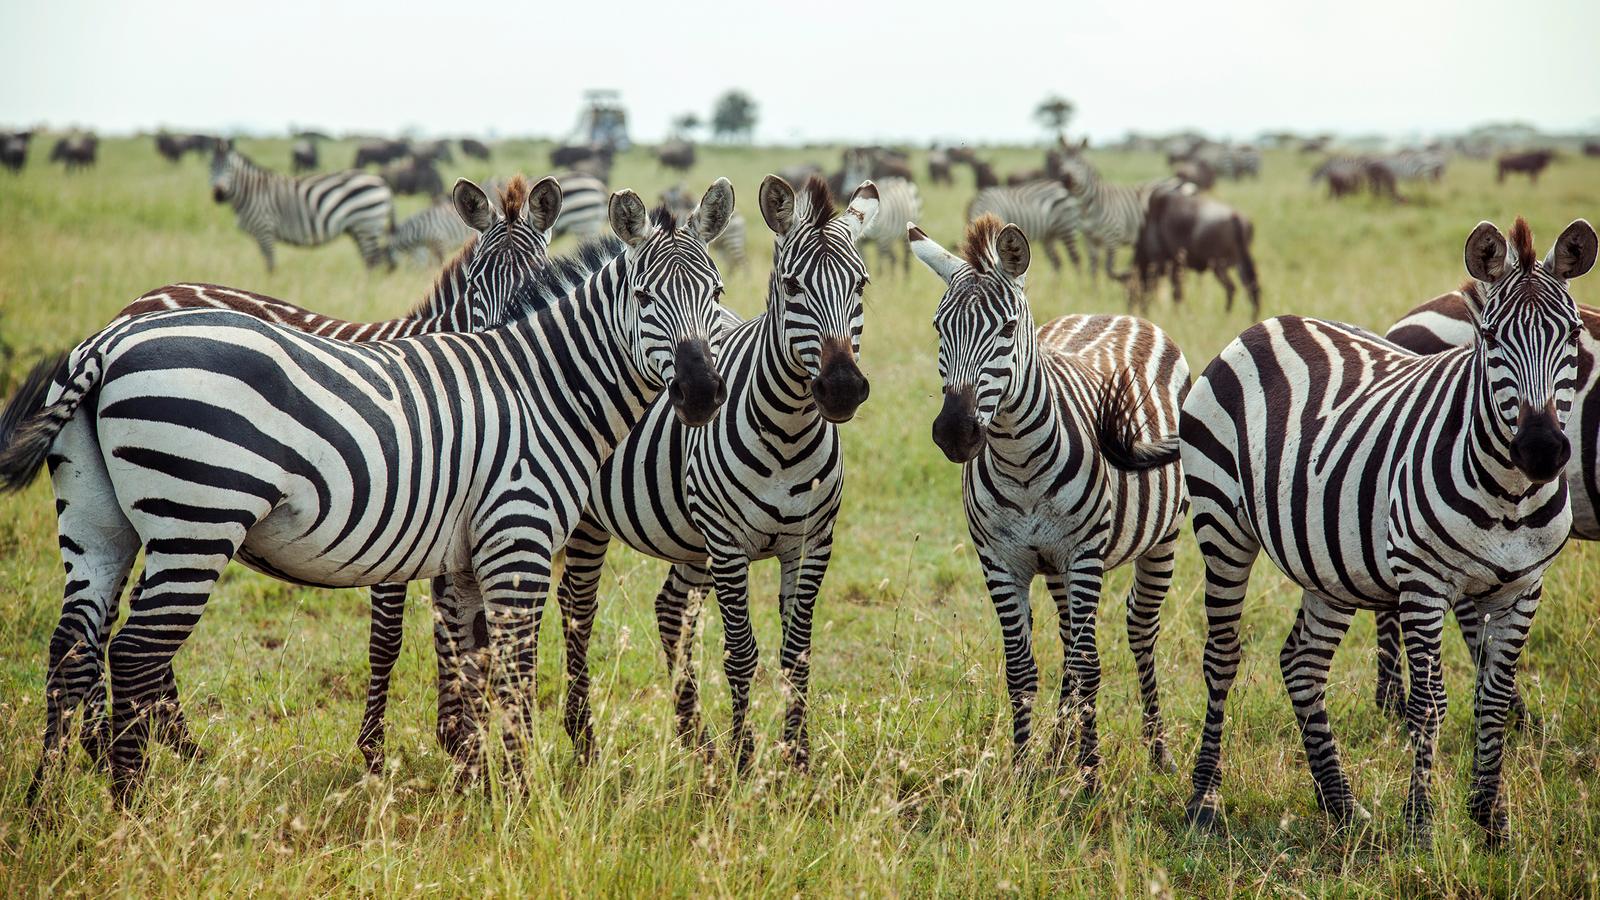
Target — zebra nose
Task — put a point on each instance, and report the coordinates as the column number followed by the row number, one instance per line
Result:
column 1540, row 449
column 956, row 431
column 697, row 390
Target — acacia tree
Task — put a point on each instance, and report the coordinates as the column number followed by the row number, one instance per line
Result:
column 1054, row 112
column 734, row 117
column 686, row 125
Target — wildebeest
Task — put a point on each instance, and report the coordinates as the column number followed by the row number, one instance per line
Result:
column 414, row 175
column 592, row 159
column 474, row 148
column 76, row 151
column 1186, row 228
column 676, row 154
column 14, row 149
column 303, row 155
column 876, row 163
column 939, row 166
column 1197, row 172
column 380, row 152
column 173, row 146
column 433, row 151
column 1346, row 174
column 1591, row 148
column 1529, row 163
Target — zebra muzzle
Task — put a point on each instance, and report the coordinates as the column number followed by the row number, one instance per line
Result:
column 696, row 391
column 1540, row 449
column 956, row 431
column 840, row 387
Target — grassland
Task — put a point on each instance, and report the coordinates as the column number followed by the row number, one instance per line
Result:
column 911, row 791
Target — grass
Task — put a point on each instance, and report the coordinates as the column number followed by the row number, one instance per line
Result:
column 911, row 790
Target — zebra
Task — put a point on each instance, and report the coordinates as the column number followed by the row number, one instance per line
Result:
column 1055, row 478
column 730, row 246
column 451, row 305
column 898, row 201
column 583, row 207
column 1416, row 165
column 1044, row 210
column 435, row 232
column 1445, row 323
column 1379, row 479
column 367, row 463
column 1108, row 215
column 306, row 211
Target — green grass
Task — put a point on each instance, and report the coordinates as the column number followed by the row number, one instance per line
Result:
column 911, row 791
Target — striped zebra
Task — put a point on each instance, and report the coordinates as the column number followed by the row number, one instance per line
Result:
column 435, row 232
column 1055, row 478
column 1379, row 479
column 1109, row 215
column 1442, row 324
column 1044, row 210
column 307, row 211
column 730, row 246
column 583, row 207
column 898, row 201
column 329, row 463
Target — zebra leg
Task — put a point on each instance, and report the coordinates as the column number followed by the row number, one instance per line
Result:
column 1065, row 731
column 168, row 724
column 460, row 643
column 1472, row 630
column 677, row 609
column 179, row 575
column 1305, row 659
column 577, row 596
column 730, row 573
column 515, row 578
column 1009, row 593
column 1084, row 581
column 1050, row 254
column 1391, row 687
column 266, row 241
column 373, row 249
column 1152, row 577
column 96, row 733
column 1506, row 634
column 1422, row 621
column 383, row 648
column 1071, row 240
column 1229, row 553
column 803, row 571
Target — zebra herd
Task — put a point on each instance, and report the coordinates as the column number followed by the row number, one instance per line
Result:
column 530, row 406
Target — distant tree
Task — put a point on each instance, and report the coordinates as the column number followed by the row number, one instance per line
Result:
column 686, row 125
column 1054, row 112
column 734, row 117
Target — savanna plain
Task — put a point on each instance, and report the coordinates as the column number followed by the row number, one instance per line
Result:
column 911, row 790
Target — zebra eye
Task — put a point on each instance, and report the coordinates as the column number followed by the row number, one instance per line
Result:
column 861, row 286
column 644, row 297
column 1577, row 332
column 791, row 285
column 1009, row 329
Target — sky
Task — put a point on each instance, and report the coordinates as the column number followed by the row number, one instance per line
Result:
column 819, row 70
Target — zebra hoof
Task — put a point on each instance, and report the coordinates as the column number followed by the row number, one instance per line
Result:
column 1204, row 814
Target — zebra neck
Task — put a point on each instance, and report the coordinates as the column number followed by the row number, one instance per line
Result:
column 445, row 306
column 1485, row 459
column 778, row 379
column 1027, row 426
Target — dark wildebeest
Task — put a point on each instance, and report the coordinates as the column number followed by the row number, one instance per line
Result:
column 1530, row 163
column 76, row 151
column 380, row 152
column 1053, row 161
column 1381, row 180
column 14, row 149
column 676, row 154
column 983, row 174
column 303, row 155
column 1197, row 172
column 474, row 148
column 414, row 175
column 1186, row 228
column 938, row 166
column 433, row 151
column 173, row 146
column 591, row 159
column 1591, row 148
column 877, row 163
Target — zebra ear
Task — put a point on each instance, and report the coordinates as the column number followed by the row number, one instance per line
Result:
column 544, row 203
column 1012, row 248
column 628, row 218
column 714, row 211
column 1573, row 254
column 863, row 207
column 473, row 205
column 776, row 199
column 1486, row 253
column 943, row 263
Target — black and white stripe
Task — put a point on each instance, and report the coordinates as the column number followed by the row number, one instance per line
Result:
column 583, row 205
column 729, row 247
column 1044, row 210
column 430, row 235
column 1109, row 215
column 1055, row 478
column 330, row 463
column 305, row 211
column 1379, row 479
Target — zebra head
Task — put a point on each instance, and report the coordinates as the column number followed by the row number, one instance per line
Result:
column 671, row 307
column 985, row 329
column 1528, row 333
column 815, row 290
column 225, row 165
column 513, row 242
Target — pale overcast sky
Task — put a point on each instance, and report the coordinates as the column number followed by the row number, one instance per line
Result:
column 893, row 70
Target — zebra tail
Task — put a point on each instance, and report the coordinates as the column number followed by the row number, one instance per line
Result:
column 1247, row 264
column 1117, row 433
column 28, row 427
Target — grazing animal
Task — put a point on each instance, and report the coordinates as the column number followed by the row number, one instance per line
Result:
column 14, row 150
column 1417, row 165
column 1055, row 477
column 303, row 156
column 414, row 175
column 475, row 149
column 433, row 151
column 583, row 205
column 590, row 159
column 380, row 152
column 172, row 147
column 76, row 151
column 1042, row 209
column 1445, row 323
column 764, row 480
column 455, row 303
column 307, row 211
column 345, row 464
column 898, row 201
column 1189, row 229
column 677, row 155
column 1530, row 164
column 1109, row 215
column 939, row 165
column 730, row 245
column 1591, row 148
column 1343, row 174
column 1197, row 172
column 1378, row 479
column 431, row 235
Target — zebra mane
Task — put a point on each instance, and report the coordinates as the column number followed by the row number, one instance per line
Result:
column 664, row 217
column 453, row 271
column 978, row 249
column 1522, row 240
column 559, row 277
column 513, row 195
column 818, row 200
